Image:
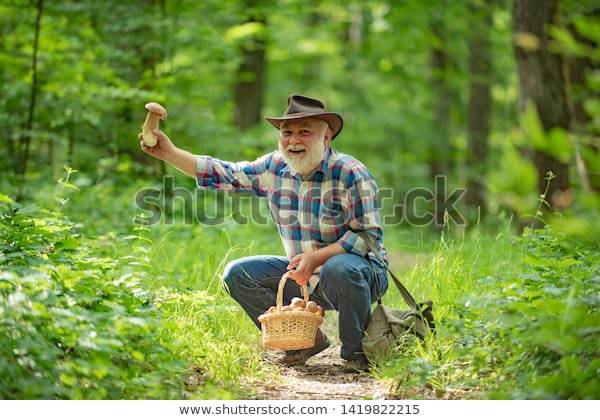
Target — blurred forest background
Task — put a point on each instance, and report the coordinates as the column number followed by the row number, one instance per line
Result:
column 499, row 96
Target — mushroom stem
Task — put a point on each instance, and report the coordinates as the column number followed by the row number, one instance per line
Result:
column 150, row 124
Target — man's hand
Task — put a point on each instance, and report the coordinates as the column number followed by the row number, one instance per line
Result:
column 163, row 149
column 167, row 151
column 305, row 265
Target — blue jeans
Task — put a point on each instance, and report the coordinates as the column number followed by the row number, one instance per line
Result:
column 346, row 284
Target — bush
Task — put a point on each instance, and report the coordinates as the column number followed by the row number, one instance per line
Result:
column 72, row 325
column 551, row 309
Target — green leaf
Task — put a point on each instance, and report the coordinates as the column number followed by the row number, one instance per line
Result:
column 6, row 199
column 588, row 28
column 69, row 243
column 554, row 143
column 558, row 145
column 564, row 42
column 28, row 209
column 241, row 32
column 67, row 379
column 138, row 356
column 532, row 125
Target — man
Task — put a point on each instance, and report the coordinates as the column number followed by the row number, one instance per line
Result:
column 319, row 200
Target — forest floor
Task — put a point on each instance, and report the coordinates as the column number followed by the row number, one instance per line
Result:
column 322, row 376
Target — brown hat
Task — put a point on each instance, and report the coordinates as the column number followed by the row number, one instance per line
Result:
column 302, row 106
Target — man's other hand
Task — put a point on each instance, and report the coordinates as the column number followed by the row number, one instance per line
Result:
column 305, row 265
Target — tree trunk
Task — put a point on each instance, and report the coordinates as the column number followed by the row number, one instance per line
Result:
column 50, row 152
column 158, row 32
column 70, row 145
column 355, row 36
column 313, row 64
column 11, row 158
column 248, row 90
column 356, row 25
column 26, row 139
column 167, row 55
column 541, row 82
column 479, row 107
column 7, row 134
column 440, row 151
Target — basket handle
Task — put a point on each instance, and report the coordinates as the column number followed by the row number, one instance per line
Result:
column 284, row 278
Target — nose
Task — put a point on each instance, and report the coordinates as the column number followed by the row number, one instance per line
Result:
column 294, row 139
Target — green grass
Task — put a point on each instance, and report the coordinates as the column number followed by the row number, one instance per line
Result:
column 185, row 264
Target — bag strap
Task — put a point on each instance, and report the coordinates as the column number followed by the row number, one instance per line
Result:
column 410, row 301
column 376, row 277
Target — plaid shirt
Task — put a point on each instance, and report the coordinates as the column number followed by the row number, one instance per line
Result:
column 336, row 200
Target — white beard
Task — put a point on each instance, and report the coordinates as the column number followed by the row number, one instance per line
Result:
column 307, row 163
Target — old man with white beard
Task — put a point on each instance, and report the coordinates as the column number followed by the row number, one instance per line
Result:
column 320, row 199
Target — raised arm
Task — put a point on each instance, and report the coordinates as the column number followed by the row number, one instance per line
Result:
column 213, row 173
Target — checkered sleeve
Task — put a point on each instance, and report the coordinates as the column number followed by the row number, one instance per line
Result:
column 362, row 214
column 254, row 177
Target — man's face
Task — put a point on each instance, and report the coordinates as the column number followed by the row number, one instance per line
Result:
column 303, row 142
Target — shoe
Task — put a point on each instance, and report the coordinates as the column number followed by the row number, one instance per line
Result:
column 355, row 366
column 299, row 357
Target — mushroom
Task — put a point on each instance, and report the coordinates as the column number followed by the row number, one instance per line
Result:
column 297, row 303
column 156, row 112
column 312, row 306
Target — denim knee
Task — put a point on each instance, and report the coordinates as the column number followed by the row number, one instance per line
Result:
column 339, row 273
column 231, row 275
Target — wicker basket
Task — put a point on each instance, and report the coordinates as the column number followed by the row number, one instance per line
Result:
column 290, row 330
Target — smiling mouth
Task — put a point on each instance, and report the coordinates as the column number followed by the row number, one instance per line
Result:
column 296, row 152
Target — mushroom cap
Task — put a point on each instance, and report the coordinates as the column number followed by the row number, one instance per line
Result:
column 157, row 109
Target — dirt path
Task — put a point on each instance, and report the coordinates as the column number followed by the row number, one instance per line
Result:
column 321, row 378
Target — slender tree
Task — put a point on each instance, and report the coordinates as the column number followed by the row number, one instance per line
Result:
column 7, row 133
column 314, row 20
column 578, row 69
column 26, row 139
column 248, row 91
column 440, row 150
column 479, row 106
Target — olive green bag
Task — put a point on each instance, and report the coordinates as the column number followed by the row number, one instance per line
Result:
column 389, row 328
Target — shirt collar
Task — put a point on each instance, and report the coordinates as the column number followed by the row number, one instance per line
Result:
column 324, row 165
